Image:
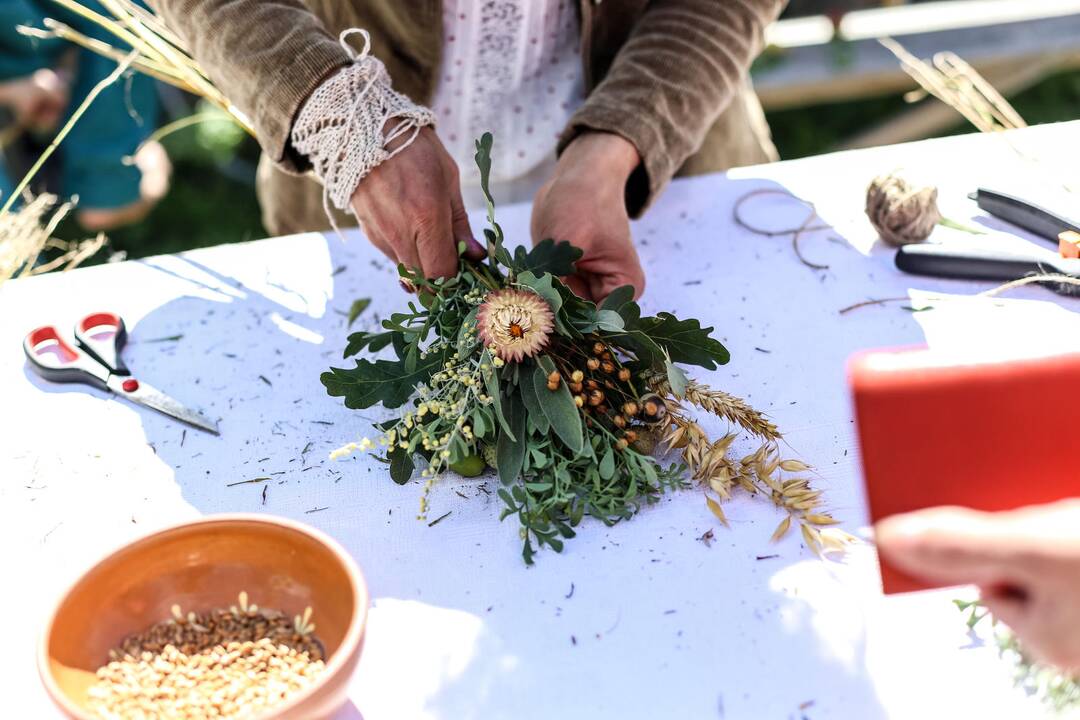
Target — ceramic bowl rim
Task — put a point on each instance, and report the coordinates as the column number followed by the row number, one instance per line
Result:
column 350, row 643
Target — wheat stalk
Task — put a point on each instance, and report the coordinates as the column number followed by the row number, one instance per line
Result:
column 721, row 404
column 158, row 51
column 958, row 85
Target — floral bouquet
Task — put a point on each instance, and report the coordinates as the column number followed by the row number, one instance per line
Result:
column 502, row 366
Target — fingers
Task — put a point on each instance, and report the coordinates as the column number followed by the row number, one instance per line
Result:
column 435, row 246
column 1006, row 607
column 411, row 209
column 603, row 284
column 578, row 286
column 952, row 546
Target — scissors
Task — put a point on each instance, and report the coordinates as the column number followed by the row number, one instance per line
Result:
column 95, row 361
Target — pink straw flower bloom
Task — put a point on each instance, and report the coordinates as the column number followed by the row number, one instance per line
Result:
column 515, row 324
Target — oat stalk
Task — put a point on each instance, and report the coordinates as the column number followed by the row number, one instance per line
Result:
column 763, row 472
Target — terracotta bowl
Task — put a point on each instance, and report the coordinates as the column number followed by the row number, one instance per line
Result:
column 202, row 565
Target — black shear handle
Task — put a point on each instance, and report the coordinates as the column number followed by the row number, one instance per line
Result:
column 1033, row 218
column 973, row 263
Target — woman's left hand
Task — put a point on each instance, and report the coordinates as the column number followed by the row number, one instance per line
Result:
column 584, row 203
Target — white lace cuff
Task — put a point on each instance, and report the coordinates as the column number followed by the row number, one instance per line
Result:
column 340, row 126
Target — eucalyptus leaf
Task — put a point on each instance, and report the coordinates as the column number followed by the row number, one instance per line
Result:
column 609, row 320
column 491, row 384
column 543, row 287
column 532, row 405
column 607, row 465
column 676, row 378
column 618, row 297
column 510, row 448
column 558, row 405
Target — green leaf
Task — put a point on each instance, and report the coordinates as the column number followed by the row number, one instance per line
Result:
column 374, row 342
column 483, row 164
column 685, row 340
column 401, row 465
column 510, row 452
column 532, row 405
column 491, row 384
column 358, row 307
column 588, row 319
column 609, row 320
column 495, row 235
column 543, row 287
column 479, row 427
column 384, row 381
column 558, row 406
column 676, row 379
column 548, row 256
column 619, row 296
column 607, row 465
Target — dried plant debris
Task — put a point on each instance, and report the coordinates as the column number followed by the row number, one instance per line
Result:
column 224, row 663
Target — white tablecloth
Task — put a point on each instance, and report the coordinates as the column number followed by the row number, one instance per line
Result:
column 640, row 620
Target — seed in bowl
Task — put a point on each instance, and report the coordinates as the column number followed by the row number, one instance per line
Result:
column 232, row 663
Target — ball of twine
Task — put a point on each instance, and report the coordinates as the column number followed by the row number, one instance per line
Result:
column 900, row 212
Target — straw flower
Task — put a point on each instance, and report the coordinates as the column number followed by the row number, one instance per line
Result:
column 514, row 323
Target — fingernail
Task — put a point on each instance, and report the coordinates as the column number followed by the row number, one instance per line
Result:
column 406, row 286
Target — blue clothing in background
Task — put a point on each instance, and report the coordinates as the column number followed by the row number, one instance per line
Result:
column 122, row 116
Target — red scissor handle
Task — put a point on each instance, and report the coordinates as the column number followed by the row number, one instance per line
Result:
column 103, row 335
column 53, row 359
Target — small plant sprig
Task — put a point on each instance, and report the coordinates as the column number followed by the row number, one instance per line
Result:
column 1058, row 689
column 502, row 366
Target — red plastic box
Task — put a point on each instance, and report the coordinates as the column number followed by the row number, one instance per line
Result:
column 989, row 436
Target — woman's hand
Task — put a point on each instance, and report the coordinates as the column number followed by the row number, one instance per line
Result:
column 585, row 204
column 1026, row 563
column 410, row 208
column 37, row 101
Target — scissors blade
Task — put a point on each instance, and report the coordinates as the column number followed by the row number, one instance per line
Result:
column 151, row 397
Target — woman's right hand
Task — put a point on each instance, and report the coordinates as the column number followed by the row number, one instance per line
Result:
column 410, row 208
column 1026, row 563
